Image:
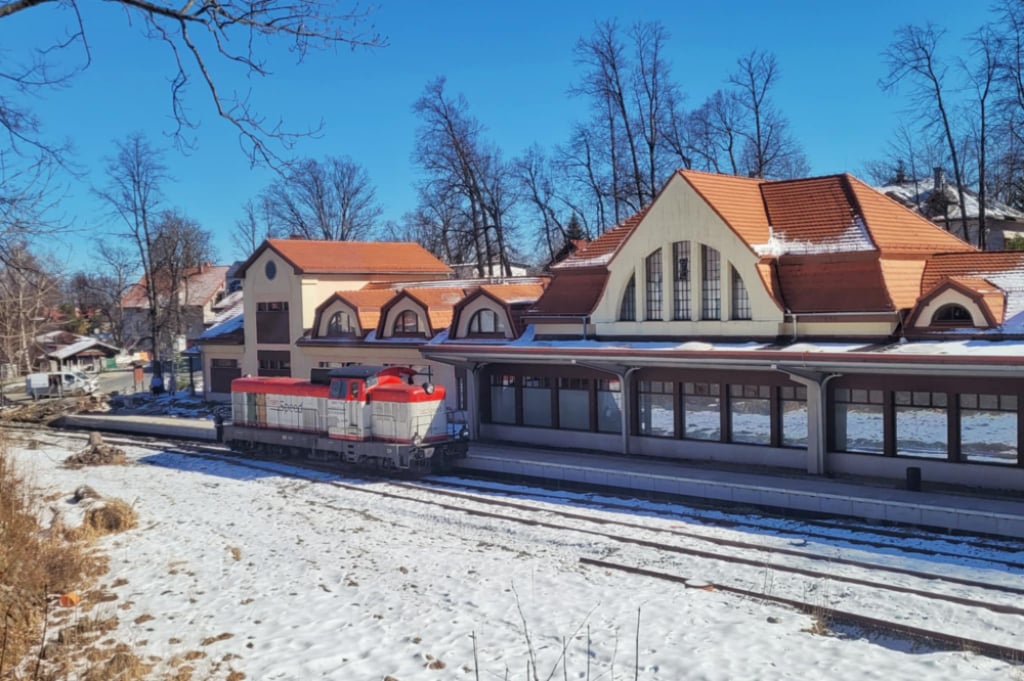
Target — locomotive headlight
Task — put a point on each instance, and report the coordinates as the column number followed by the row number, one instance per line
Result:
column 464, row 433
column 428, row 388
column 417, row 440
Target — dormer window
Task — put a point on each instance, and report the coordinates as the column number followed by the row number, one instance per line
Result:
column 952, row 315
column 486, row 323
column 340, row 325
column 407, row 323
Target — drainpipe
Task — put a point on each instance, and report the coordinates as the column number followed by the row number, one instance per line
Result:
column 817, row 393
column 627, row 410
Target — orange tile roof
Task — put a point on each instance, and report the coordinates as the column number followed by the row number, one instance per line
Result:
column 815, row 213
column 513, row 294
column 989, row 265
column 201, row 285
column 572, row 292
column 833, row 283
column 439, row 303
column 737, row 200
column 902, row 278
column 601, row 250
column 367, row 303
column 898, row 229
column 354, row 257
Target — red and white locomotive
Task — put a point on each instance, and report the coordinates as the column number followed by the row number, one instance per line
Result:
column 367, row 415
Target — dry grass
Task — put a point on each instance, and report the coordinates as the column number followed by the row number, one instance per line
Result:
column 39, row 639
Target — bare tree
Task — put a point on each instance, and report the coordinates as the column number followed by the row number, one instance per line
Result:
column 985, row 48
column 28, row 293
column 254, row 227
column 134, row 177
column 460, row 167
column 333, row 199
column 99, row 293
column 769, row 150
column 913, row 56
column 632, row 95
column 204, row 39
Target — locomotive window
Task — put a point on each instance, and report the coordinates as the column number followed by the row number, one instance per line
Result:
column 339, row 389
column 355, row 390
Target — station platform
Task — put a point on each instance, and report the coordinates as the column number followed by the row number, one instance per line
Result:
column 158, row 426
column 946, row 509
column 940, row 509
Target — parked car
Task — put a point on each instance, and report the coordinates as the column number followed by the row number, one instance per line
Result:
column 60, row 384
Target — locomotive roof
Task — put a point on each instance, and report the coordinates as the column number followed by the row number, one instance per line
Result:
column 356, row 371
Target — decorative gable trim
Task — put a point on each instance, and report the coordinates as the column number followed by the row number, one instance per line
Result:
column 479, row 300
column 953, row 292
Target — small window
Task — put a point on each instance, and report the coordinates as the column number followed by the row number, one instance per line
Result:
column 339, row 389
column 270, row 269
column 627, row 311
column 408, row 322
column 653, row 289
column 711, row 280
column 486, row 322
column 340, row 324
column 740, row 299
column 952, row 315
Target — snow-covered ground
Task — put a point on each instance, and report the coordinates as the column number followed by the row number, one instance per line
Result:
column 280, row 577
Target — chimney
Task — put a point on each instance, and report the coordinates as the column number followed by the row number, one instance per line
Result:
column 939, row 178
column 295, row 236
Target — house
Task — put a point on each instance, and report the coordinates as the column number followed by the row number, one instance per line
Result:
column 199, row 292
column 937, row 200
column 64, row 350
column 312, row 305
column 812, row 324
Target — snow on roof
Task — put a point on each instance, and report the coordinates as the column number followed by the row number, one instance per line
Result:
column 921, row 194
column 77, row 347
column 223, row 328
column 855, row 238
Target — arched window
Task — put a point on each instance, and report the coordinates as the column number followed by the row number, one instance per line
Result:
column 740, row 299
column 952, row 315
column 711, row 281
column 486, row 322
column 652, row 270
column 627, row 310
column 681, row 280
column 408, row 322
column 340, row 324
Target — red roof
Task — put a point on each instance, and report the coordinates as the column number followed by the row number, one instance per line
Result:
column 200, row 286
column 601, row 250
column 352, row 257
column 572, row 292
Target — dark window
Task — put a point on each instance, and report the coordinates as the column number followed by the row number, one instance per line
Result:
column 711, row 283
column 859, row 417
column 340, row 324
column 702, row 411
column 407, row 323
column 988, row 428
column 681, row 280
column 222, row 372
column 503, row 398
column 574, row 403
column 750, row 414
column 274, row 362
column 487, row 323
column 272, row 322
column 921, row 424
column 627, row 311
column 653, row 288
column 740, row 299
column 952, row 315
column 656, row 406
column 793, row 404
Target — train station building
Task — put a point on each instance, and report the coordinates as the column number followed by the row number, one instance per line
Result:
column 814, row 325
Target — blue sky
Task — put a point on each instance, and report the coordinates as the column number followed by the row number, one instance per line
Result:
column 512, row 61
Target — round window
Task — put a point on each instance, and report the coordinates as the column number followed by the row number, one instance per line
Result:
column 271, row 269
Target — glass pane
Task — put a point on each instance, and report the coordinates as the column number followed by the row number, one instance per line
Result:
column 609, row 411
column 751, row 421
column 921, row 431
column 657, row 417
column 794, row 423
column 574, row 409
column 537, row 407
column 703, row 418
column 859, row 428
column 988, row 436
column 503, row 405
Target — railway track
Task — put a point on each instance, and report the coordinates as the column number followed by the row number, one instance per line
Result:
column 737, row 554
